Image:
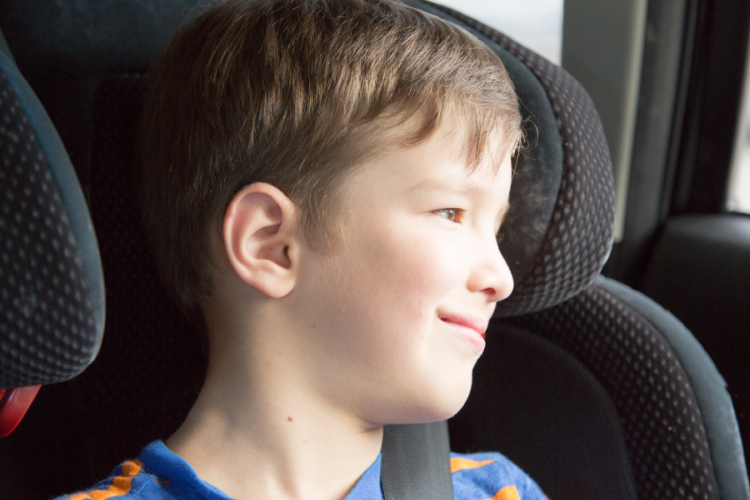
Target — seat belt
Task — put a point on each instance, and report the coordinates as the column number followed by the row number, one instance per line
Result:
column 416, row 462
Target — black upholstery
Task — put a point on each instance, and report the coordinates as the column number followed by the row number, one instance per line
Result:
column 540, row 405
column 592, row 396
column 51, row 300
column 142, row 320
column 708, row 386
column 64, row 48
column 700, row 272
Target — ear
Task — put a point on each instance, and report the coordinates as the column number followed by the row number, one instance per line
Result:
column 259, row 238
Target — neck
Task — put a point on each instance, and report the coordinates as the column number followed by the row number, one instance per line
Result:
column 260, row 430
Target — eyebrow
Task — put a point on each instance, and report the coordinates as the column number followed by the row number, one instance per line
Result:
column 446, row 185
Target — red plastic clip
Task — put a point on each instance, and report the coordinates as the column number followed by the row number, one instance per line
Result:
column 13, row 406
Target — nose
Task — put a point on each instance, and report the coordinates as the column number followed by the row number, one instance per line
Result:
column 491, row 274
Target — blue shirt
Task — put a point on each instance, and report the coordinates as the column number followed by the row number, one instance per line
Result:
column 159, row 474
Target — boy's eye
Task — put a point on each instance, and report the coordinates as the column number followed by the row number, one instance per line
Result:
column 449, row 213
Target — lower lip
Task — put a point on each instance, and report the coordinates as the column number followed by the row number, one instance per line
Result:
column 470, row 335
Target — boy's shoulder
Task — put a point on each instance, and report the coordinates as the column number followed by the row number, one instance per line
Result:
column 129, row 481
column 157, row 474
column 491, row 475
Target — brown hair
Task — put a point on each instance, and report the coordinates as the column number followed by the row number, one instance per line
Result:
column 296, row 93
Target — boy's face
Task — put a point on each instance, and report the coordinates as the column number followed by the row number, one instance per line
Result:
column 392, row 322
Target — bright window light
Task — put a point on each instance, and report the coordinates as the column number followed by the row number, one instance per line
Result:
column 738, row 192
column 739, row 188
column 536, row 24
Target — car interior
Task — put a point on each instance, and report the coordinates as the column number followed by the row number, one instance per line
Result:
column 588, row 383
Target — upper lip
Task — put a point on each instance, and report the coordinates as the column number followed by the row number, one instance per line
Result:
column 476, row 323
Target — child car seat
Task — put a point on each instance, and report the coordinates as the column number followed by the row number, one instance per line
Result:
column 590, row 387
column 51, row 300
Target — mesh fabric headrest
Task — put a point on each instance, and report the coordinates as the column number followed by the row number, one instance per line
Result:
column 52, row 294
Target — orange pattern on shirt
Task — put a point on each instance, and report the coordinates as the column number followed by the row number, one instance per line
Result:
column 507, row 493
column 458, row 464
column 120, row 484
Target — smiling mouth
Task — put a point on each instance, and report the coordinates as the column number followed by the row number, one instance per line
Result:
column 473, row 323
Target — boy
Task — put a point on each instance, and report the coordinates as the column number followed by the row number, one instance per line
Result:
column 323, row 181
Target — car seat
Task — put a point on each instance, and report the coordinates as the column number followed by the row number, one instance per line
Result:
column 52, row 294
column 588, row 385
column 52, row 307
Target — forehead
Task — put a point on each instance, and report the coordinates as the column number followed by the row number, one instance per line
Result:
column 455, row 136
column 440, row 165
column 445, row 155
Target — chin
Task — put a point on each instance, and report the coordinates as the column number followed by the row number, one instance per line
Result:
column 439, row 402
column 449, row 408
column 434, row 413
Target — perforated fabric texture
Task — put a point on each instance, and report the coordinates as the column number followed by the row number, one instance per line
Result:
column 47, row 326
column 580, row 234
column 660, row 418
column 151, row 365
column 542, row 408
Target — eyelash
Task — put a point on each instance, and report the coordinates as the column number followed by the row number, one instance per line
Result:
column 456, row 213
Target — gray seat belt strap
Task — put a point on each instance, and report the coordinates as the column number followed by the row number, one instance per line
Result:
column 416, row 462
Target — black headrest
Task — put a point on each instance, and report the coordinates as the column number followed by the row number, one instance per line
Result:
column 559, row 231
column 52, row 295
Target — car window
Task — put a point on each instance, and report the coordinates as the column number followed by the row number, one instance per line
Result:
column 537, row 24
column 738, row 190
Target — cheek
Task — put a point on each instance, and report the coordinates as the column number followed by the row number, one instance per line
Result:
column 413, row 270
column 378, row 299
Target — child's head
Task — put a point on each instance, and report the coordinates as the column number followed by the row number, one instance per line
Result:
column 301, row 94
